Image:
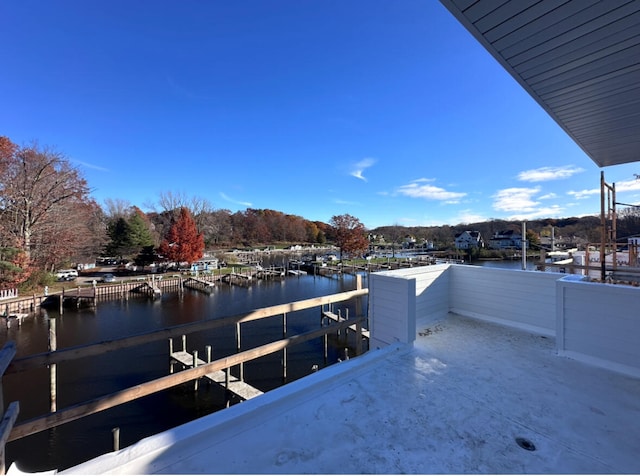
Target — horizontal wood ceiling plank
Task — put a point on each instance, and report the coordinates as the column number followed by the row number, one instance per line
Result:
column 536, row 40
column 582, row 50
column 594, row 98
column 527, row 15
column 619, row 62
column 481, row 9
column 610, row 82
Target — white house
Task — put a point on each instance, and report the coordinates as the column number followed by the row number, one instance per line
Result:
column 468, row 239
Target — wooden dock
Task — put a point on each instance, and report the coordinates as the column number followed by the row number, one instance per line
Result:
column 199, row 284
column 148, row 288
column 223, row 378
column 270, row 273
column 331, row 316
column 237, row 278
column 16, row 317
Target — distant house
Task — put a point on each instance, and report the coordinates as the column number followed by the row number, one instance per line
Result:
column 468, row 239
column 409, row 242
column 503, row 240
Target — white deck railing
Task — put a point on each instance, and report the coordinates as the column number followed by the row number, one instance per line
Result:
column 593, row 322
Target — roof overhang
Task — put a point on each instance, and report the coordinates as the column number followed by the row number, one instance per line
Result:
column 579, row 59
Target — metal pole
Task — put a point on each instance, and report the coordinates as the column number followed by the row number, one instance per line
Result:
column 603, row 229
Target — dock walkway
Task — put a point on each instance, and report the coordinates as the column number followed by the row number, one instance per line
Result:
column 233, row 384
column 338, row 318
column 199, row 284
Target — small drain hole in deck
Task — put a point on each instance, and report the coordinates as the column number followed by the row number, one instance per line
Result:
column 525, row 444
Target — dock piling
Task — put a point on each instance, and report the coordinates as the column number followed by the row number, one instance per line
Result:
column 53, row 345
column 195, row 364
column 116, row 438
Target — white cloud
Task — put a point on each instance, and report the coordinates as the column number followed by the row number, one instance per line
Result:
column 548, row 196
column 344, row 202
column 545, row 212
column 622, row 186
column 237, row 202
column 628, row 186
column 422, row 189
column 91, row 166
column 583, row 194
column 544, row 174
column 516, row 200
column 359, row 168
column 468, row 216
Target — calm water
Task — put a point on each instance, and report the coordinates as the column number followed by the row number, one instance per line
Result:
column 81, row 380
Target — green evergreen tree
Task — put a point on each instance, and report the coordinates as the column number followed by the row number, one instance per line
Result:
column 120, row 237
column 139, row 229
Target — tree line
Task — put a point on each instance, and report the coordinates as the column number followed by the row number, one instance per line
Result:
column 49, row 220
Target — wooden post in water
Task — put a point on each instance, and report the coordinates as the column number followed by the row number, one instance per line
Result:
column 238, row 349
column 227, row 394
column 195, row 364
column 346, row 329
column 326, row 348
column 171, row 365
column 116, row 438
column 53, row 345
column 358, row 338
column 359, row 299
column 284, row 351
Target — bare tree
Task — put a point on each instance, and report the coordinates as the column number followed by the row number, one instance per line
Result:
column 116, row 208
column 173, row 202
column 39, row 187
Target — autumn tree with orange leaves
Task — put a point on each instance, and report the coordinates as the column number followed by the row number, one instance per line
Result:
column 183, row 243
column 350, row 235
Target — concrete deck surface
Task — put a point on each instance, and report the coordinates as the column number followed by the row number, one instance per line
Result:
column 455, row 402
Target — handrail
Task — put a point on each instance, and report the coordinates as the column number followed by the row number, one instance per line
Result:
column 99, row 404
column 76, row 352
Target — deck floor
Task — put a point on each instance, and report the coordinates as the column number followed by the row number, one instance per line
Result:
column 455, row 402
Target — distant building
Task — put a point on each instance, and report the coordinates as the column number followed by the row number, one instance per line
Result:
column 504, row 240
column 409, row 242
column 468, row 239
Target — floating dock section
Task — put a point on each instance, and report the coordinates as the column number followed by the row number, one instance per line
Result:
column 223, row 378
column 329, row 315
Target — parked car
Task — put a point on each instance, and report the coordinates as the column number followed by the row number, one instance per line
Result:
column 108, row 278
column 66, row 274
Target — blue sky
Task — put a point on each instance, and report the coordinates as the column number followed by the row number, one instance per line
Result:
column 387, row 110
